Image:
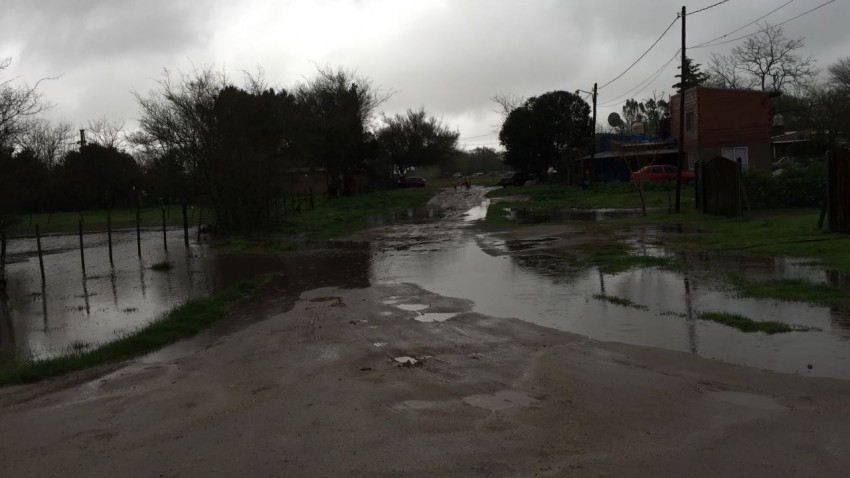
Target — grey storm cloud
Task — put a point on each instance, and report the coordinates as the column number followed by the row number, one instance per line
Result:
column 449, row 56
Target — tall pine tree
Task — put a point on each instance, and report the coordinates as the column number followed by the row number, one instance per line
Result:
column 693, row 77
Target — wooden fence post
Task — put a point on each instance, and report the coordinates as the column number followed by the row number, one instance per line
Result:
column 82, row 248
column 185, row 225
column 40, row 258
column 164, row 235
column 109, row 234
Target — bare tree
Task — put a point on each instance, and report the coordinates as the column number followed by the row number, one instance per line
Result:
column 106, row 132
column 18, row 103
column 767, row 61
column 48, row 141
column 839, row 73
column 506, row 103
column 725, row 73
column 179, row 117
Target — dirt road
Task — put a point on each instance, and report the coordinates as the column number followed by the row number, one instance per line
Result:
column 325, row 386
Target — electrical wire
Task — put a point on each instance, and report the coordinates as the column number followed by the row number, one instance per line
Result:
column 643, row 55
column 707, row 8
column 768, row 27
column 643, row 84
column 479, row 136
column 705, row 43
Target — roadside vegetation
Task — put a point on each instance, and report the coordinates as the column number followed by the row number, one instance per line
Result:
column 182, row 322
column 745, row 324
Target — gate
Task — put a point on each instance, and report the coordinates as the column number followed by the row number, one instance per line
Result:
column 838, row 190
column 719, row 187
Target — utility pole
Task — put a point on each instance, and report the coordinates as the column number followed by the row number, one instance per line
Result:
column 593, row 132
column 82, row 138
column 682, row 160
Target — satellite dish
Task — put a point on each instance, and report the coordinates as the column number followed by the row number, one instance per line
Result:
column 615, row 120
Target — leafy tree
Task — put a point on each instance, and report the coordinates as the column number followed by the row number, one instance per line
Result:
column 652, row 112
column 255, row 135
column 767, row 61
column 23, row 183
column 337, row 107
column 96, row 176
column 693, row 75
column 415, row 139
column 539, row 133
column 484, row 159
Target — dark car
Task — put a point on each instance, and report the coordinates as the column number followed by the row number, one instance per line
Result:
column 513, row 178
column 412, row 182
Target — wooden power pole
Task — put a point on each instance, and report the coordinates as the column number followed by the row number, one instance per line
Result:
column 682, row 90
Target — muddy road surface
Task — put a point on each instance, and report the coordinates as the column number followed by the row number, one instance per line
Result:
column 383, row 373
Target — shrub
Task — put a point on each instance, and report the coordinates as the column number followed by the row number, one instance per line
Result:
column 791, row 187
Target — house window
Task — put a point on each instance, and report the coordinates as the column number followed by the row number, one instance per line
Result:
column 737, row 153
column 689, row 121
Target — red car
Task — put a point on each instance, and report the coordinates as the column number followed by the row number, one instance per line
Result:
column 661, row 172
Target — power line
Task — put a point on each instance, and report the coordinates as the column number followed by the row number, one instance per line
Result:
column 766, row 28
column 708, row 7
column 706, row 43
column 644, row 53
column 479, row 136
column 645, row 83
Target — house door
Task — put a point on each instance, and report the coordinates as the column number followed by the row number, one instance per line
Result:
column 734, row 154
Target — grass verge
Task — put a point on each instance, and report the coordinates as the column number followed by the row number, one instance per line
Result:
column 182, row 322
column 745, row 324
column 619, row 301
column 162, row 266
column 791, row 290
column 95, row 220
column 331, row 218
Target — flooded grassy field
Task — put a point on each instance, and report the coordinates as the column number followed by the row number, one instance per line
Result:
column 441, row 249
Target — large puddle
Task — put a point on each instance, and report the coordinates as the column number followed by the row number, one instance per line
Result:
column 442, row 253
column 511, row 280
column 74, row 311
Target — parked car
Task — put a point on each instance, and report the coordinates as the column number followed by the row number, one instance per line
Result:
column 513, row 178
column 412, row 182
column 787, row 161
column 661, row 172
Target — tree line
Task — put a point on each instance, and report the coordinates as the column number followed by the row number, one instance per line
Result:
column 203, row 136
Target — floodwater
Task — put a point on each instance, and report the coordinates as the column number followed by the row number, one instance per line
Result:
column 74, row 311
column 522, row 279
column 443, row 251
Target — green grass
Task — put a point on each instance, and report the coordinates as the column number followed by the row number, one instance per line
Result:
column 162, row 266
column 331, row 218
column 611, row 258
column 791, row 290
column 607, row 195
column 96, row 220
column 182, row 322
column 745, row 324
column 619, row 301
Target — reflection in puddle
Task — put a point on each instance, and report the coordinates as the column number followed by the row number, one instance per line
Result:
column 519, row 280
column 109, row 301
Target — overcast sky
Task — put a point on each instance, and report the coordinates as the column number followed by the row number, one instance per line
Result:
column 450, row 56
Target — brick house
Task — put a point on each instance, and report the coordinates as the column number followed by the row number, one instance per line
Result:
column 723, row 122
